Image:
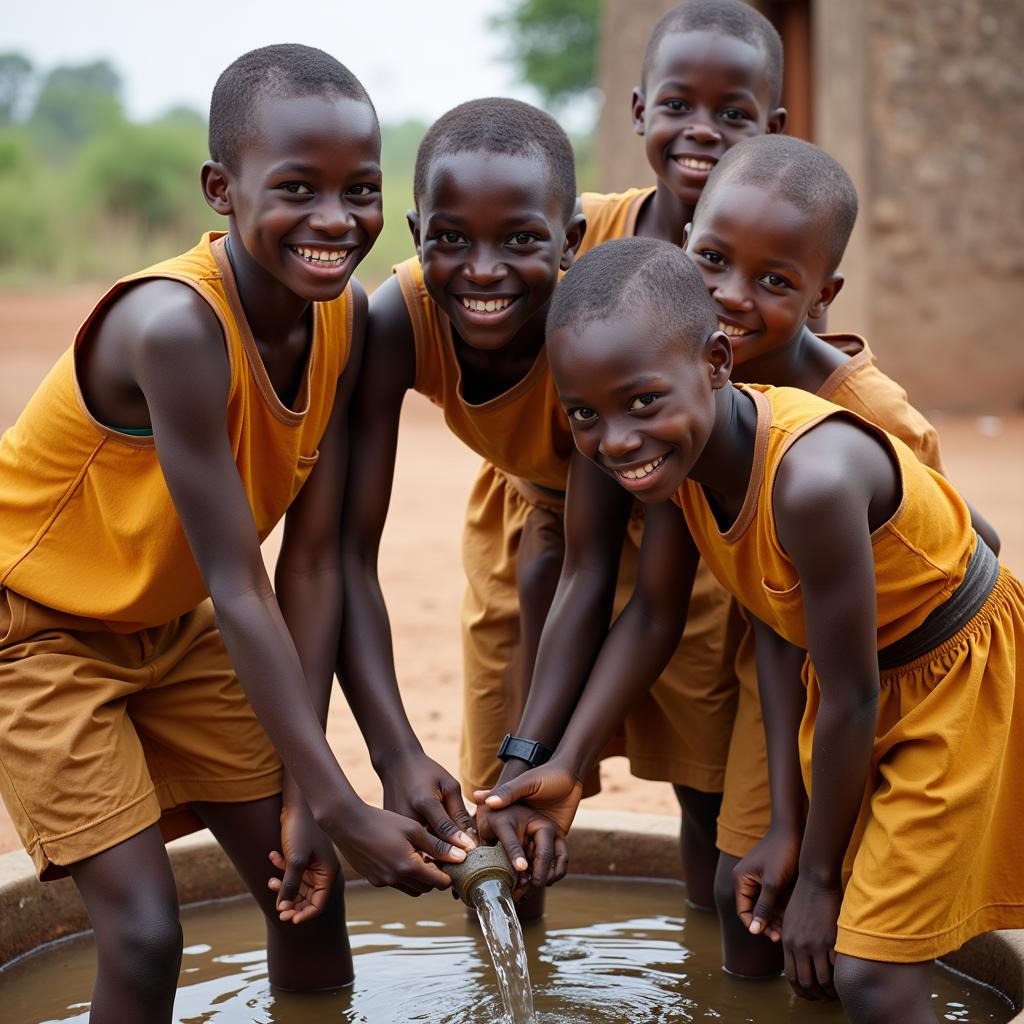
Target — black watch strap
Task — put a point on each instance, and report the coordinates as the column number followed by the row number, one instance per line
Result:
column 532, row 752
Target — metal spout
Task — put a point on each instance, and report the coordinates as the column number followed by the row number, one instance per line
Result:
column 480, row 864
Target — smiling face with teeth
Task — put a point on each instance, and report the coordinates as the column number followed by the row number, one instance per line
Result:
column 492, row 237
column 643, row 409
column 304, row 201
column 766, row 269
column 704, row 92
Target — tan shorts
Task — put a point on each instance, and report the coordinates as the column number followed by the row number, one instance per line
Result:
column 102, row 734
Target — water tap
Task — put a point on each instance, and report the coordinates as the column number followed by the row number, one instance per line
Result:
column 483, row 863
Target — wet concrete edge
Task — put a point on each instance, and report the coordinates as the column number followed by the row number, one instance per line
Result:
column 603, row 843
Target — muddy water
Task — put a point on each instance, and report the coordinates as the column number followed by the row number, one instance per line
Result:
column 642, row 962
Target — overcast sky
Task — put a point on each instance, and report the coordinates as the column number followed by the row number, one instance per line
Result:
column 417, row 58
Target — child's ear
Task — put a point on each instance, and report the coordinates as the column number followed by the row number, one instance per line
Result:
column 639, row 109
column 826, row 296
column 215, row 181
column 777, row 121
column 718, row 353
column 687, row 228
column 574, row 232
column 413, row 219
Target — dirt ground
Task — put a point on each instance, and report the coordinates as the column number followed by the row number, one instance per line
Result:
column 420, row 568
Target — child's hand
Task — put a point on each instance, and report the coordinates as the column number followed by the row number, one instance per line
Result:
column 552, row 794
column 534, row 842
column 308, row 864
column 810, row 938
column 763, row 879
column 419, row 788
column 391, row 849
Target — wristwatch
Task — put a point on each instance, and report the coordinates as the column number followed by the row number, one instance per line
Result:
column 533, row 752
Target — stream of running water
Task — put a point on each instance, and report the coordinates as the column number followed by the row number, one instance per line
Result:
column 504, row 938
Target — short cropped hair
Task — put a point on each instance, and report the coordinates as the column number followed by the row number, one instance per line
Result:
column 728, row 18
column 286, row 70
column 800, row 173
column 504, row 127
column 653, row 279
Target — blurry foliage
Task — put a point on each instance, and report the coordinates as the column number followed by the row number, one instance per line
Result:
column 15, row 79
column 76, row 103
column 554, row 45
column 86, row 194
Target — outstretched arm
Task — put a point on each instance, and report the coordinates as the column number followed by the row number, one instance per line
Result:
column 596, row 513
column 414, row 785
column 835, row 485
column 308, row 587
column 178, row 360
column 764, row 877
column 632, row 657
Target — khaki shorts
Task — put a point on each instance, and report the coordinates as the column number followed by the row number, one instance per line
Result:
column 102, row 734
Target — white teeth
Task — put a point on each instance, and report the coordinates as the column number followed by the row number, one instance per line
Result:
column 330, row 257
column 486, row 305
column 732, row 330
column 697, row 165
column 645, row 470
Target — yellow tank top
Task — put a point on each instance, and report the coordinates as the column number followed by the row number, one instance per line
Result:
column 611, row 215
column 861, row 387
column 523, row 432
column 921, row 553
column 87, row 525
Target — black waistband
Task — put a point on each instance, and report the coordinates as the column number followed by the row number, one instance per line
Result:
column 948, row 619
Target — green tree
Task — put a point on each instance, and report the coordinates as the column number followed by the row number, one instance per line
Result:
column 147, row 175
column 554, row 45
column 76, row 103
column 15, row 77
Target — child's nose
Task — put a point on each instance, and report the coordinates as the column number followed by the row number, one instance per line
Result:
column 731, row 294
column 484, row 268
column 701, row 130
column 619, row 440
column 332, row 217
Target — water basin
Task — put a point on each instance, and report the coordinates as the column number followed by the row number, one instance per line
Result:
column 606, row 954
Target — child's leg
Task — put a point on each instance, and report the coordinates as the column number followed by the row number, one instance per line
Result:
column 877, row 993
column 133, row 906
column 312, row 956
column 697, row 842
column 743, row 954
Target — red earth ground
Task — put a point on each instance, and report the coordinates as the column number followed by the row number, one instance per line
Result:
column 420, row 567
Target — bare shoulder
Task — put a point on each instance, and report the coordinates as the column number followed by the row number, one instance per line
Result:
column 836, row 470
column 154, row 328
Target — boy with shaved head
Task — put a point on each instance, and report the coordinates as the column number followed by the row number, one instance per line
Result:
column 204, row 399
column 463, row 324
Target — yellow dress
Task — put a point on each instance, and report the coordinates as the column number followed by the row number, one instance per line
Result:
column 936, row 852
column 860, row 386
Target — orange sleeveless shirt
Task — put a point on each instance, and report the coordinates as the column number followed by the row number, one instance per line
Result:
column 87, row 525
column 921, row 553
column 523, row 432
column 611, row 215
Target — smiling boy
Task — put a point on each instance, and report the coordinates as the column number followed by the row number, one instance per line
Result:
column 711, row 77
column 463, row 324
column 767, row 236
column 202, row 400
column 880, row 615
